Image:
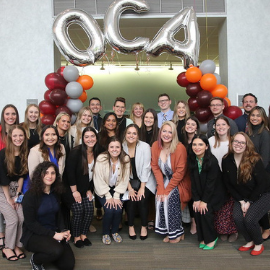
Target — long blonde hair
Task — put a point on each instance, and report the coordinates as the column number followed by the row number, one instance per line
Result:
column 132, row 116
column 175, row 115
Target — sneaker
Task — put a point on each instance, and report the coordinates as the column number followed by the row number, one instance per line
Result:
column 34, row 265
column 106, row 239
column 117, row 238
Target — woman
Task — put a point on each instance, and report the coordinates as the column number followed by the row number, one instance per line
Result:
column 219, row 144
column 180, row 115
column 142, row 182
column 49, row 149
column 111, row 177
column 32, row 125
column 13, row 168
column 84, row 119
column 169, row 165
column 249, row 184
column 80, row 165
column 258, row 132
column 207, row 190
column 137, row 111
column 108, row 129
column 43, row 232
column 9, row 117
column 62, row 123
column 149, row 128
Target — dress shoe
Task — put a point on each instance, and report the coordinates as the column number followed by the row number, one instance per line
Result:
column 202, row 245
column 79, row 244
column 210, row 248
column 143, row 237
column 256, row 253
column 246, row 248
column 132, row 237
column 87, row 242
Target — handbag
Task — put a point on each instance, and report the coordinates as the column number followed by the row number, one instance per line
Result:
column 135, row 184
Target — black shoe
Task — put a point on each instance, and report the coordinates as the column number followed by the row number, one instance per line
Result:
column 34, row 265
column 143, row 237
column 87, row 242
column 79, row 244
column 132, row 237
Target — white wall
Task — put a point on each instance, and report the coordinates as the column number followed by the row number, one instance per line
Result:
column 248, row 37
column 26, row 53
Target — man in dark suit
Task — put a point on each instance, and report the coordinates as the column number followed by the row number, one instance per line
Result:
column 95, row 107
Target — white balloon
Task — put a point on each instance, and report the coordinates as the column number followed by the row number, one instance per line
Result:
column 74, row 105
column 74, row 89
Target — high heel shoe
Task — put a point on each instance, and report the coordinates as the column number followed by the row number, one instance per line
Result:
column 210, row 248
column 9, row 258
column 143, row 237
column 202, row 245
column 132, row 237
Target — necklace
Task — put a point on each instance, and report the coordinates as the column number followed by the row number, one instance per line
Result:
column 33, row 131
column 120, row 122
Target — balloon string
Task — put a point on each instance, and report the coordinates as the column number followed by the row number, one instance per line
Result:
column 194, row 6
column 206, row 29
column 112, row 56
column 109, row 64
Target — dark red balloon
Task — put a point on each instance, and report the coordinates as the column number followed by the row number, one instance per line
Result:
column 47, row 95
column 193, row 104
column 193, row 89
column 60, row 70
column 47, row 107
column 47, row 119
column 203, row 114
column 225, row 103
column 63, row 109
column 55, row 81
column 58, row 97
column 182, row 79
column 203, row 98
column 232, row 112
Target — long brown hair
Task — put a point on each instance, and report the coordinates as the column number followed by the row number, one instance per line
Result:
column 217, row 139
column 44, row 148
column 249, row 159
column 175, row 115
column 263, row 115
column 10, row 153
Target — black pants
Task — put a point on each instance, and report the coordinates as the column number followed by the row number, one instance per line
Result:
column 49, row 250
column 142, row 206
column 205, row 226
column 248, row 225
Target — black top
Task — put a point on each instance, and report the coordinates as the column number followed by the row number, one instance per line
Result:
column 34, row 138
column 133, row 167
column 180, row 125
column 65, row 142
column 121, row 126
column 252, row 189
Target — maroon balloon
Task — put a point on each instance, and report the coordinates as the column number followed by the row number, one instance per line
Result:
column 60, row 71
column 47, row 95
column 55, row 81
column 193, row 104
column 63, row 109
column 58, row 97
column 47, row 119
column 193, row 89
column 232, row 112
column 182, row 79
column 203, row 98
column 225, row 103
column 47, row 107
column 203, row 114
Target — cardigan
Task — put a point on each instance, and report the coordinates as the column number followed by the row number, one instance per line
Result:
column 31, row 203
column 35, row 158
column 180, row 177
column 143, row 164
column 101, row 177
column 252, row 189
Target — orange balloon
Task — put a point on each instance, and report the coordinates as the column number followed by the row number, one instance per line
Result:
column 41, row 115
column 85, row 81
column 83, row 96
column 208, row 82
column 220, row 91
column 193, row 74
column 228, row 101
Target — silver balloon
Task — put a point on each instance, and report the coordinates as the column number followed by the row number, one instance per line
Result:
column 73, row 119
column 74, row 89
column 165, row 41
column 218, row 78
column 74, row 105
column 62, row 39
column 203, row 128
column 112, row 30
column 207, row 66
column 70, row 73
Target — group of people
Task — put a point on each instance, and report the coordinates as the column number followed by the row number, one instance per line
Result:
column 156, row 164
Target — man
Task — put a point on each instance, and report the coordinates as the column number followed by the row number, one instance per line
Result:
column 166, row 114
column 95, row 107
column 119, row 109
column 217, row 106
column 249, row 102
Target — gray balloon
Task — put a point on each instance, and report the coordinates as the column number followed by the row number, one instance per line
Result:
column 218, row 78
column 73, row 119
column 164, row 40
column 74, row 105
column 112, row 29
column 74, row 89
column 207, row 66
column 62, row 39
column 203, row 128
column 71, row 73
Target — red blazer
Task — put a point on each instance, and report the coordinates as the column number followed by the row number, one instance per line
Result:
column 180, row 177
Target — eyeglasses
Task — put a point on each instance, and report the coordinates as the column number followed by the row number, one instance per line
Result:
column 164, row 100
column 215, row 105
column 239, row 142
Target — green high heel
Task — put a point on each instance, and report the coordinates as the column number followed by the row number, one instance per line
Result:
column 202, row 245
column 210, row 248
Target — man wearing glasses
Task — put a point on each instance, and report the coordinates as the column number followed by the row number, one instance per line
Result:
column 166, row 114
column 217, row 107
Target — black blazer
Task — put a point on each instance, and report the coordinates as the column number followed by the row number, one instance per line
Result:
column 208, row 186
